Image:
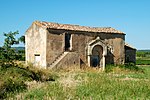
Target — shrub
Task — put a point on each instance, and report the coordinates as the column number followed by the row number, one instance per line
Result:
column 11, row 86
column 14, row 76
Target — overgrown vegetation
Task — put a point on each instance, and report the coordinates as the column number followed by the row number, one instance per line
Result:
column 128, row 66
column 114, row 86
column 94, row 84
column 14, row 77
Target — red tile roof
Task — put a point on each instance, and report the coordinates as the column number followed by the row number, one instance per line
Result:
column 51, row 25
column 129, row 46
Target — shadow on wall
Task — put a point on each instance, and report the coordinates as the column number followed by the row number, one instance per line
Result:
column 109, row 57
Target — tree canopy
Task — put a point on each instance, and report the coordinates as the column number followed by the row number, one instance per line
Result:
column 6, row 51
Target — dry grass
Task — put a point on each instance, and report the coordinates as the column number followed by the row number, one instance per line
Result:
column 91, row 83
column 68, row 80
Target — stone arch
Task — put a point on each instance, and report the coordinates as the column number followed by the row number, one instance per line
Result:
column 97, row 44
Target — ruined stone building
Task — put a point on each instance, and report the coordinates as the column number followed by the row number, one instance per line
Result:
column 53, row 45
column 130, row 53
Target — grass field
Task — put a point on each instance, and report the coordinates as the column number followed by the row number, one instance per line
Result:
column 143, row 61
column 143, row 57
column 92, row 84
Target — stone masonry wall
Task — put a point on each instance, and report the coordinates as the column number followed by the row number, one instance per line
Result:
column 70, row 60
column 79, row 44
column 130, row 55
column 55, row 46
column 115, row 43
column 116, row 50
column 36, row 44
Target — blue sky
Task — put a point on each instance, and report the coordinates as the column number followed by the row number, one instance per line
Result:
column 129, row 16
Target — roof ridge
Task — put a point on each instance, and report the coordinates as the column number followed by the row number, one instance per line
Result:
column 72, row 27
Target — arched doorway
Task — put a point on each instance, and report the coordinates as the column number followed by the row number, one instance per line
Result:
column 97, row 54
column 97, row 50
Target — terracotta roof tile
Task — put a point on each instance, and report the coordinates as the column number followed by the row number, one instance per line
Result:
column 126, row 44
column 77, row 27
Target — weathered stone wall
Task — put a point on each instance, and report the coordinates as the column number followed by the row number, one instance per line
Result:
column 130, row 55
column 115, row 43
column 116, row 52
column 36, row 44
column 79, row 44
column 55, row 46
column 72, row 59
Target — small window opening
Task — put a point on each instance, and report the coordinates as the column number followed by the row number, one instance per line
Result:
column 37, row 58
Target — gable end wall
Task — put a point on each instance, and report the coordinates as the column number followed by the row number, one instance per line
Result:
column 36, row 44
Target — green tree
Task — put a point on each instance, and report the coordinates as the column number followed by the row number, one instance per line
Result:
column 7, row 52
column 22, row 39
column 21, row 53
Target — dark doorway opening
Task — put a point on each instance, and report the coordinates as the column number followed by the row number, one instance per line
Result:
column 67, row 42
column 96, row 56
column 95, row 61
